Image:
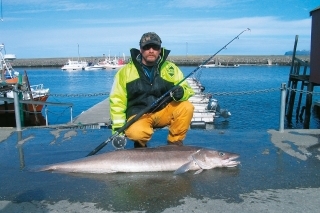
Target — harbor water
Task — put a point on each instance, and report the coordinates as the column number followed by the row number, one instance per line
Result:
column 250, row 93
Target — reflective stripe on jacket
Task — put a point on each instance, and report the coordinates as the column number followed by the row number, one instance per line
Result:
column 132, row 90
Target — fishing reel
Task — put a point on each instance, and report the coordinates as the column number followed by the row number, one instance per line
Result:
column 119, row 142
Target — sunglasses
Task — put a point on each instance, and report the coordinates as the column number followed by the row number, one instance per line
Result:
column 153, row 46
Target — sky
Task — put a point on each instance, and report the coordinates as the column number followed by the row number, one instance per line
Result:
column 73, row 28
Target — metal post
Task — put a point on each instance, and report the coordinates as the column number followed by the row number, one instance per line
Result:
column 17, row 107
column 306, row 122
column 46, row 112
column 282, row 106
column 20, row 95
column 71, row 119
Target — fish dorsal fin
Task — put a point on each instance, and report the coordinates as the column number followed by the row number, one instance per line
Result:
column 184, row 168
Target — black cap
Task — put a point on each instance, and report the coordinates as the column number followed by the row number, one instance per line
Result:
column 150, row 38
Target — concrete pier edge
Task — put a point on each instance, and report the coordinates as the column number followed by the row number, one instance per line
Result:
column 189, row 60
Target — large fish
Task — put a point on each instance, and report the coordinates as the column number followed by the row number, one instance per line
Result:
column 164, row 158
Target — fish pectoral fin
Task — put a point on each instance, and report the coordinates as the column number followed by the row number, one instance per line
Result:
column 184, row 168
column 198, row 172
column 202, row 164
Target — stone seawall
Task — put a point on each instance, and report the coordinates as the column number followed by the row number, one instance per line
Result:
column 179, row 60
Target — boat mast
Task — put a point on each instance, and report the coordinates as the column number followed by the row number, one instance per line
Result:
column 78, row 53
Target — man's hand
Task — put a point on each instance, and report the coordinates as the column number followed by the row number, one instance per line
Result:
column 177, row 94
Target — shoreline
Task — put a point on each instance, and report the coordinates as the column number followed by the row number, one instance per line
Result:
column 187, row 60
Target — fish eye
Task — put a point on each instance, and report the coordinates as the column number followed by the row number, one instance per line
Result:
column 221, row 153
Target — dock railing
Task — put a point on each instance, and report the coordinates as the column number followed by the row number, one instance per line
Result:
column 49, row 104
column 17, row 103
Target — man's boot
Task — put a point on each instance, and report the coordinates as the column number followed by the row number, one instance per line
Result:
column 138, row 145
column 176, row 143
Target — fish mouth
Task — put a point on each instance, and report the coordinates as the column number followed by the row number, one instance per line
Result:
column 231, row 162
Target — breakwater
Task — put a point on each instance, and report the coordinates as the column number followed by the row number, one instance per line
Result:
column 190, row 60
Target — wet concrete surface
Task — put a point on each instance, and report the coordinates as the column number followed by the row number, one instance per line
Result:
column 279, row 172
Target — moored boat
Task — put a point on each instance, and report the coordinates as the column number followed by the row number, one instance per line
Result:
column 217, row 64
column 112, row 64
column 206, row 108
column 37, row 93
column 220, row 66
column 74, row 65
column 31, row 112
column 7, row 73
column 94, row 67
column 9, row 78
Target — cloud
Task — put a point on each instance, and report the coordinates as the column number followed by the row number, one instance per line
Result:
column 203, row 3
column 268, row 35
column 41, row 6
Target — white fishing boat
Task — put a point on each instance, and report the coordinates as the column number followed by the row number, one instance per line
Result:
column 220, row 66
column 217, row 64
column 94, row 67
column 74, row 65
column 112, row 64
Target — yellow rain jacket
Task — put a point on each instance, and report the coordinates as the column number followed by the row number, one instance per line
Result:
column 133, row 91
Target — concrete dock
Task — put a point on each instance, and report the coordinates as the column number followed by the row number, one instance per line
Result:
column 279, row 172
column 99, row 113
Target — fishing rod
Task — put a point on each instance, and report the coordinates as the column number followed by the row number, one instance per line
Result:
column 165, row 95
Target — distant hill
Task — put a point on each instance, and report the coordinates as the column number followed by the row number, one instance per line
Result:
column 299, row 52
